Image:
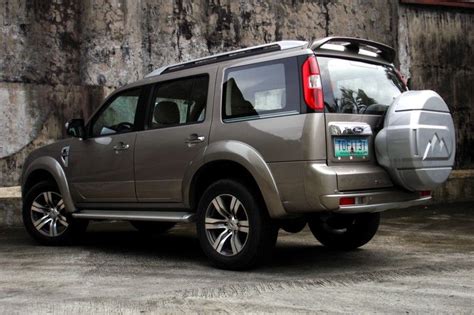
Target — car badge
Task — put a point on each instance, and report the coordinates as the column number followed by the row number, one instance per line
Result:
column 357, row 129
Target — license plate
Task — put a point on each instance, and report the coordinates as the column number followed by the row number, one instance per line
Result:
column 347, row 147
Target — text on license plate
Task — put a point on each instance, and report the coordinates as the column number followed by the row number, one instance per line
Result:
column 344, row 147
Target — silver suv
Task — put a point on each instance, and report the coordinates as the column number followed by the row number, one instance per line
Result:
column 244, row 143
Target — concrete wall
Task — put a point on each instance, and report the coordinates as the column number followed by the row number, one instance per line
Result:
column 40, row 78
column 436, row 48
column 60, row 57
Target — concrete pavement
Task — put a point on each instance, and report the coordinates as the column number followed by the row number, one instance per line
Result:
column 422, row 260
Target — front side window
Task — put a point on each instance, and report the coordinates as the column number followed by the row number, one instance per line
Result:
column 118, row 116
column 179, row 102
column 261, row 89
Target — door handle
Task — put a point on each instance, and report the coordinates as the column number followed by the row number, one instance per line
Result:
column 194, row 139
column 121, row 146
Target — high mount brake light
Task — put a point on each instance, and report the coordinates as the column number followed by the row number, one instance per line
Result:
column 312, row 88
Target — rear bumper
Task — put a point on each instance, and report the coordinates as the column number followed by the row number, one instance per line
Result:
column 374, row 201
column 311, row 187
column 322, row 194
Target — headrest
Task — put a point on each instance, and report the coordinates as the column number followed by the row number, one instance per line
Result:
column 166, row 113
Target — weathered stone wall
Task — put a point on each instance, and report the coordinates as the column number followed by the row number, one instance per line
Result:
column 33, row 116
column 124, row 40
column 40, row 78
column 59, row 57
column 436, row 50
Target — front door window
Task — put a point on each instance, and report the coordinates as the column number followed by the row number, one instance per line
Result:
column 118, row 116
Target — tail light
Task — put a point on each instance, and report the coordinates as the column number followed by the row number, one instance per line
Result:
column 345, row 201
column 312, row 89
column 425, row 193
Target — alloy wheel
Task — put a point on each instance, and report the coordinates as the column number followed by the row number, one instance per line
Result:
column 48, row 214
column 227, row 225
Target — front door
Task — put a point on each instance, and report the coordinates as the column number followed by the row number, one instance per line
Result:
column 178, row 131
column 101, row 166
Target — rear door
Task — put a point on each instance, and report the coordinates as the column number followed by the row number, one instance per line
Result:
column 261, row 108
column 177, row 133
column 356, row 96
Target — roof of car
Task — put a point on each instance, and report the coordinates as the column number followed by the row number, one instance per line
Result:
column 336, row 45
column 234, row 54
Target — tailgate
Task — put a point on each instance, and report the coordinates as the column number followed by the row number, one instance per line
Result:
column 356, row 95
column 351, row 154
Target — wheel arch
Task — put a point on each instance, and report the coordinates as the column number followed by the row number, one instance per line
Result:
column 46, row 167
column 35, row 177
column 233, row 159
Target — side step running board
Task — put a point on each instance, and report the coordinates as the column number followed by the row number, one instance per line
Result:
column 162, row 216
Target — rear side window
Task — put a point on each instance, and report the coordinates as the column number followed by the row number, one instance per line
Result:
column 179, row 102
column 358, row 87
column 260, row 90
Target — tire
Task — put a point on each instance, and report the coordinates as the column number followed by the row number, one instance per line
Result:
column 293, row 225
column 45, row 217
column 345, row 231
column 149, row 227
column 234, row 219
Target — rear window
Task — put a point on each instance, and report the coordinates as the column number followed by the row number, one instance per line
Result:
column 260, row 90
column 358, row 87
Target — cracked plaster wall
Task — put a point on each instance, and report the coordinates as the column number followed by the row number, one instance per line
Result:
column 436, row 49
column 61, row 57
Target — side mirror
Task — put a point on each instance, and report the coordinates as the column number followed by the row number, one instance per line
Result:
column 75, row 128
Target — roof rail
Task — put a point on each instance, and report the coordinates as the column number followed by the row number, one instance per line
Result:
column 353, row 45
column 234, row 54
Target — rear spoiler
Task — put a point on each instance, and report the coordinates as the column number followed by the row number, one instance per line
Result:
column 353, row 45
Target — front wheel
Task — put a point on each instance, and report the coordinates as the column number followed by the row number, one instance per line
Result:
column 345, row 231
column 233, row 226
column 45, row 217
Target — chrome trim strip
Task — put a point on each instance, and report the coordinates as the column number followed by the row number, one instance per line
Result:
column 160, row 216
column 374, row 201
column 136, row 206
column 383, row 206
column 343, row 128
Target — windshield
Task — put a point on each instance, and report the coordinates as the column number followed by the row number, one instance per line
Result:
column 358, row 87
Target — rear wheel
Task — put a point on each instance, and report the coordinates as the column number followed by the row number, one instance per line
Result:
column 233, row 226
column 293, row 225
column 149, row 227
column 345, row 231
column 45, row 217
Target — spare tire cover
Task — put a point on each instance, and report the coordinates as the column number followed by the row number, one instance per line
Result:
column 417, row 144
